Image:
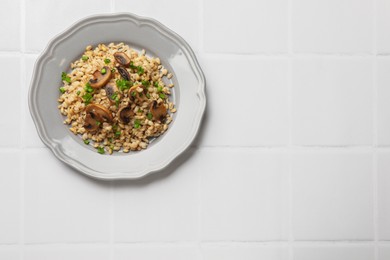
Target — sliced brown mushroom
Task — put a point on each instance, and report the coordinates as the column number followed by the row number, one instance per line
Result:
column 111, row 89
column 124, row 73
column 122, row 58
column 135, row 95
column 90, row 124
column 100, row 80
column 125, row 114
column 99, row 113
column 158, row 111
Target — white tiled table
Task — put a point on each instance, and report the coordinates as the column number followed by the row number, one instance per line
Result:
column 292, row 162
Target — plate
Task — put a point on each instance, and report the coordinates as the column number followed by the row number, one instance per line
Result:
column 139, row 33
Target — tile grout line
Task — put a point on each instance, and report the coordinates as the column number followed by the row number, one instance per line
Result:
column 340, row 149
column 201, row 27
column 200, row 181
column 111, row 219
column 208, row 243
column 290, row 132
column 199, row 231
column 22, row 126
column 375, row 135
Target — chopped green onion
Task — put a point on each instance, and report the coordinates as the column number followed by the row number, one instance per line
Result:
column 139, row 69
column 162, row 96
column 88, row 88
column 123, row 84
column 156, row 84
column 133, row 93
column 137, row 123
column 62, row 89
column 147, row 95
column 159, row 88
column 114, row 96
column 146, row 83
column 86, row 141
column 84, row 57
column 100, row 150
column 132, row 66
column 98, row 123
column 106, row 61
column 113, row 70
column 150, row 116
column 78, row 92
column 103, row 71
column 111, row 140
column 87, row 97
column 117, row 133
column 65, row 77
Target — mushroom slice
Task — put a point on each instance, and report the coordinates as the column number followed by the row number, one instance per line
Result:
column 90, row 124
column 158, row 111
column 112, row 92
column 135, row 94
column 125, row 114
column 122, row 58
column 99, row 113
column 124, row 73
column 99, row 80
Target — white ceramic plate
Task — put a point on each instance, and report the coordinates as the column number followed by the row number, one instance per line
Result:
column 137, row 32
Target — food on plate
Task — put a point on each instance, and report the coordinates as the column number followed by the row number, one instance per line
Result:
column 116, row 98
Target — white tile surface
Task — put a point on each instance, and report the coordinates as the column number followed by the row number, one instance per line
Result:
column 67, row 252
column 182, row 16
column 10, row 29
column 9, row 197
column 334, row 252
column 9, row 253
column 61, row 205
column 259, row 116
column 162, row 210
column 384, row 253
column 59, row 16
column 332, row 196
column 253, row 26
column 10, row 122
column 30, row 136
column 332, row 26
column 247, row 252
column 383, row 166
column 244, row 195
column 156, row 253
column 332, row 101
column 383, row 26
column 282, row 76
column 383, row 106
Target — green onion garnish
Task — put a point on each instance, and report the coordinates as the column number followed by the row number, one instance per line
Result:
column 123, row 84
column 150, row 116
column 137, row 123
column 65, row 77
